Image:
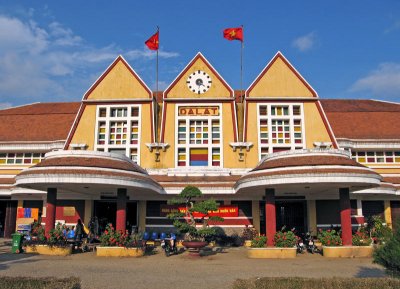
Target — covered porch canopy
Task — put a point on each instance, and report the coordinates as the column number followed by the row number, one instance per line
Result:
column 88, row 173
column 307, row 172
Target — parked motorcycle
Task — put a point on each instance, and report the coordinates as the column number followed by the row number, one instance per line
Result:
column 168, row 244
column 300, row 246
column 310, row 244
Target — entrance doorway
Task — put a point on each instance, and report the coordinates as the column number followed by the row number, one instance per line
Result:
column 289, row 213
column 106, row 212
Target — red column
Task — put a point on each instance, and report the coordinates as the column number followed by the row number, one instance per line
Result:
column 51, row 209
column 121, row 210
column 270, row 216
column 345, row 216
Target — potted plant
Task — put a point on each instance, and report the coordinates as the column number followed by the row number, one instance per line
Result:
column 120, row 244
column 55, row 244
column 192, row 218
column 285, row 246
column 332, row 245
column 248, row 234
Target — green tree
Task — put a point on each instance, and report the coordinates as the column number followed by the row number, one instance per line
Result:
column 185, row 222
column 388, row 255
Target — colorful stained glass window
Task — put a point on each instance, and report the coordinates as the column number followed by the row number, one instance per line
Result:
column 198, row 157
column 21, row 158
column 280, row 128
column 376, row 157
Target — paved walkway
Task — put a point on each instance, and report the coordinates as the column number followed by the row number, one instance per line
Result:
column 217, row 270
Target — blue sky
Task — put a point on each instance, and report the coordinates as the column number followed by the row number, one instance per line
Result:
column 55, row 50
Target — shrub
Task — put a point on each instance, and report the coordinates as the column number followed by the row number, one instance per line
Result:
column 259, row 241
column 285, row 239
column 113, row 238
column 37, row 231
column 377, row 230
column 249, row 233
column 317, row 283
column 329, row 238
column 39, row 283
column 188, row 197
column 361, row 238
column 57, row 237
column 388, row 255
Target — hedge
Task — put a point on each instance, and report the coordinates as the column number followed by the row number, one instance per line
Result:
column 39, row 283
column 311, row 283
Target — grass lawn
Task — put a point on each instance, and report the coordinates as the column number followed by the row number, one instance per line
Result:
column 39, row 283
column 324, row 283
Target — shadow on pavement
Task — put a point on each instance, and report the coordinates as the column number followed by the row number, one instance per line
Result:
column 366, row 272
column 7, row 259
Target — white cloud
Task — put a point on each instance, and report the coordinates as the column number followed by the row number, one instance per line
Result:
column 50, row 62
column 395, row 26
column 147, row 53
column 306, row 42
column 383, row 82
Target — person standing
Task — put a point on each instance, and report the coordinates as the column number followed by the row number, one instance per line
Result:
column 79, row 230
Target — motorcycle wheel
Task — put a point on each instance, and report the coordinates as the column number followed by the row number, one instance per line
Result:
column 167, row 253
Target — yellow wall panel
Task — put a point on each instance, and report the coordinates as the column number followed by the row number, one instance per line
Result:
column 85, row 131
column 315, row 130
column 252, row 135
column 167, row 158
column 181, row 90
column 387, row 170
column 147, row 159
column 119, row 83
column 280, row 81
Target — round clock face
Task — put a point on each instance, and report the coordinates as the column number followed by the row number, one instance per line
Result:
column 199, row 82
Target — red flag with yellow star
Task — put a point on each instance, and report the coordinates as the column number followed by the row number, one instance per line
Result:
column 234, row 33
column 152, row 42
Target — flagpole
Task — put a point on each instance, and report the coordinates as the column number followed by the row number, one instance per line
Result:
column 156, row 105
column 241, row 69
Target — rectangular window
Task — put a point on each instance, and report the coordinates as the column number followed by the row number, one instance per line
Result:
column 21, row 158
column 118, row 129
column 376, row 157
column 280, row 128
column 198, row 140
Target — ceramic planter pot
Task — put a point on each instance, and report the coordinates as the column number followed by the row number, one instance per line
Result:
column 194, row 247
column 49, row 250
column 119, row 252
column 272, row 253
column 347, row 251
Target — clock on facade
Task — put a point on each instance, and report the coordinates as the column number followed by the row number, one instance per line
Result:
column 199, row 82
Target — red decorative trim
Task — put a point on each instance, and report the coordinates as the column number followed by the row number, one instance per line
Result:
column 198, row 100
column 119, row 58
column 279, row 55
column 327, row 126
column 199, row 55
column 108, row 102
column 163, row 121
column 74, row 126
column 234, row 121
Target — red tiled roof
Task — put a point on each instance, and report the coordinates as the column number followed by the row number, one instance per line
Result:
column 363, row 119
column 37, row 122
column 312, row 160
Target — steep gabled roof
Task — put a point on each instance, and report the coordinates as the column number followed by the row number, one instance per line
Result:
column 37, row 122
column 363, row 119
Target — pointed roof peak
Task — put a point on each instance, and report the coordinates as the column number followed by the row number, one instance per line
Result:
column 279, row 55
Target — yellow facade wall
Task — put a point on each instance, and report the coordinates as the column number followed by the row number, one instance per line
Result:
column 119, row 83
column 180, row 89
column 315, row 129
column 280, row 81
column 251, row 157
column 85, row 131
column 392, row 170
column 230, row 158
column 147, row 159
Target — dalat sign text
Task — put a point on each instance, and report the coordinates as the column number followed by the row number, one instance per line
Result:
column 198, row 110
